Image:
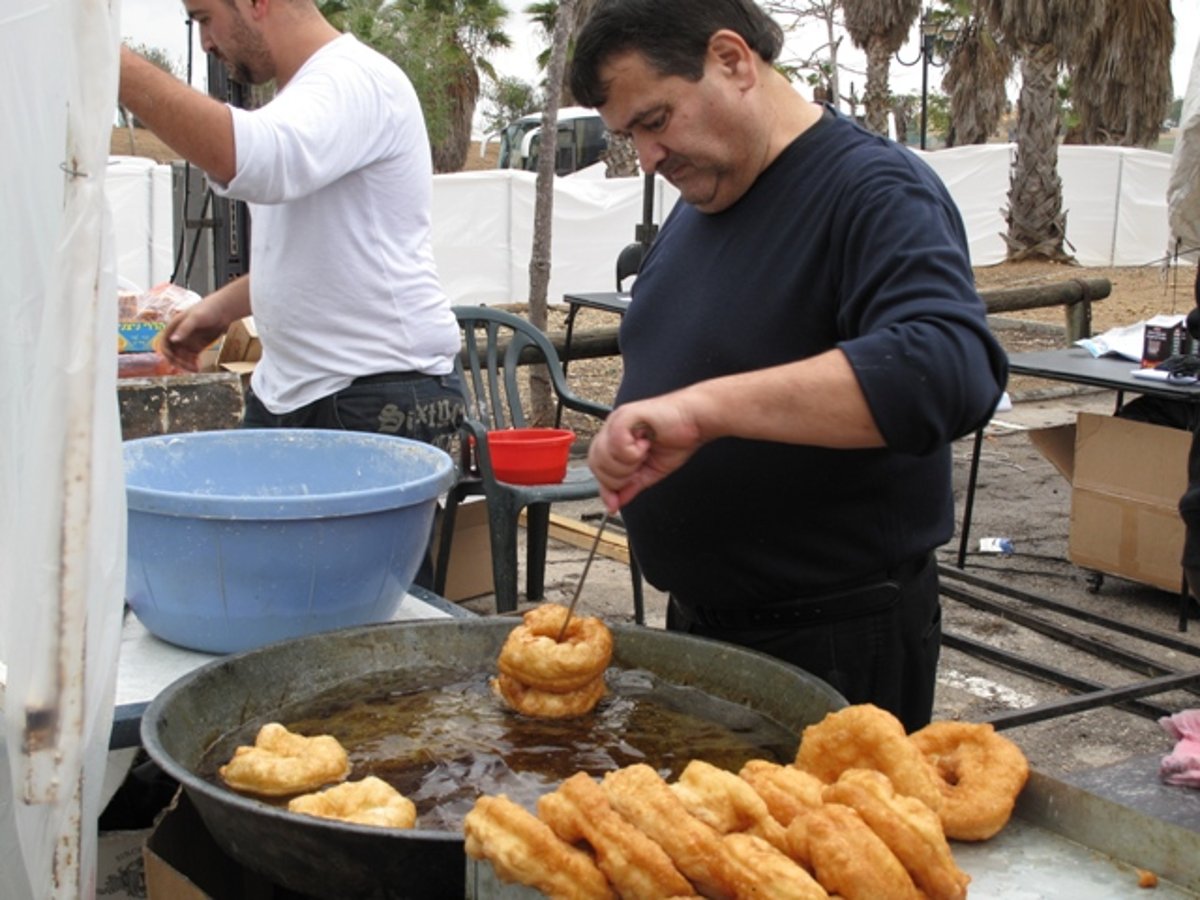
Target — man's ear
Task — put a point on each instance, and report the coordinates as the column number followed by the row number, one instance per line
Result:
column 732, row 54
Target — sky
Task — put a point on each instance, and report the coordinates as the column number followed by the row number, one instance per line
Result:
column 161, row 23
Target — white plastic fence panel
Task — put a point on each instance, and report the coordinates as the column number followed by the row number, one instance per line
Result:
column 977, row 178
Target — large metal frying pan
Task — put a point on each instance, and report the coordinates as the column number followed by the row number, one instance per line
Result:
column 331, row 859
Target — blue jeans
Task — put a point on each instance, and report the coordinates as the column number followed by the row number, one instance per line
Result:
column 426, row 408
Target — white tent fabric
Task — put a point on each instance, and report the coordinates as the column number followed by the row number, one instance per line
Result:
column 1114, row 197
column 1183, row 192
column 141, row 190
column 62, row 508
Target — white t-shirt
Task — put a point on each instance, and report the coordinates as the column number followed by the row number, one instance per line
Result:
column 337, row 175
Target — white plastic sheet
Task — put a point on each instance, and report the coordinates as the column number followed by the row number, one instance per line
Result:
column 1114, row 197
column 62, row 511
column 1183, row 192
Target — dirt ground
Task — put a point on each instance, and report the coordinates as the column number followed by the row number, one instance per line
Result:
column 1019, row 496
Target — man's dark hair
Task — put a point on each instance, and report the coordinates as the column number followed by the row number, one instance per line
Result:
column 672, row 35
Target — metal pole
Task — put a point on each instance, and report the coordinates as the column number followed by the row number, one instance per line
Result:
column 926, row 46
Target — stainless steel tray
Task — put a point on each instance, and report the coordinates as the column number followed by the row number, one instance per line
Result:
column 1086, row 837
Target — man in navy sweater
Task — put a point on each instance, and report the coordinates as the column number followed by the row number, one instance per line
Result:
column 803, row 344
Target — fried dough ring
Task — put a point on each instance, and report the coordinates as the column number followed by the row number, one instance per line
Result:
column 787, row 790
column 911, row 830
column 981, row 774
column 636, row 867
column 282, row 763
column 867, row 737
column 848, row 858
column 525, row 850
column 639, row 794
column 768, row 873
column 371, row 801
column 533, row 655
column 726, row 802
column 545, row 704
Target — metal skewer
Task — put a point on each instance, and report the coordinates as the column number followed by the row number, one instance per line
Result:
column 579, row 586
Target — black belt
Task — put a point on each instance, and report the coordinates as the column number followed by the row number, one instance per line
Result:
column 389, row 377
column 864, row 597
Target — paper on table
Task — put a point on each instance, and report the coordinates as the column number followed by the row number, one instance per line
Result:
column 1126, row 341
column 1164, row 375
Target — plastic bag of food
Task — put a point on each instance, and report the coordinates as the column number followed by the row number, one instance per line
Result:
column 163, row 301
column 144, row 365
column 142, row 317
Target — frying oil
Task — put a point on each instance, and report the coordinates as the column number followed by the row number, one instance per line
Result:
column 443, row 747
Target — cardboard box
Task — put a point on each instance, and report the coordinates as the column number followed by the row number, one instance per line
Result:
column 1164, row 337
column 119, row 866
column 182, row 862
column 240, row 349
column 1126, row 480
column 470, row 571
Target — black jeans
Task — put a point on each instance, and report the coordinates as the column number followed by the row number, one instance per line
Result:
column 426, row 408
column 886, row 652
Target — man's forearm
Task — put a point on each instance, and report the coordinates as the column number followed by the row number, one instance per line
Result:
column 194, row 125
column 817, row 402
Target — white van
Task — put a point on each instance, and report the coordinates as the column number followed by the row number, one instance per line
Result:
column 582, row 139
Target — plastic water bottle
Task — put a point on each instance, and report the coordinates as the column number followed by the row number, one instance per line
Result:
column 1001, row 545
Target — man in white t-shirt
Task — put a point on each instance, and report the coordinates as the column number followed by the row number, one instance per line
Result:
column 355, row 328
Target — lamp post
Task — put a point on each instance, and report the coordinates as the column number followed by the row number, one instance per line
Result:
column 931, row 32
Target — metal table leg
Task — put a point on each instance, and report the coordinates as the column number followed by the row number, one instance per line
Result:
column 970, row 504
column 572, row 310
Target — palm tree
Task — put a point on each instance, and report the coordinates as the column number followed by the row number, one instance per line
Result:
column 976, row 75
column 442, row 45
column 879, row 27
column 1043, row 32
column 1121, row 73
column 452, row 40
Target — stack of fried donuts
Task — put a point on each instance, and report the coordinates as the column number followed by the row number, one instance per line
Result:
column 282, row 763
column 547, row 678
column 865, row 811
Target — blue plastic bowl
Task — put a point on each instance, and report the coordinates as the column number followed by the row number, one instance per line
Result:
column 244, row 537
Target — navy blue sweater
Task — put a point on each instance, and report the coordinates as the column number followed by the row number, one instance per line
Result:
column 846, row 240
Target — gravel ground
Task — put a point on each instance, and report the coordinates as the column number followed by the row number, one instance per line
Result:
column 1021, row 496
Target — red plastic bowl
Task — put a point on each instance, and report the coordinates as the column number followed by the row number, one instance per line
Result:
column 530, row 455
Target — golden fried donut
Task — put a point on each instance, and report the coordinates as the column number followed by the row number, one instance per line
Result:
column 981, row 774
column 524, row 850
column 911, row 830
column 769, row 874
column 545, row 704
column 786, row 790
column 847, row 857
column 371, row 801
column 726, row 802
column 533, row 655
column 867, row 737
column 636, row 867
column 639, row 794
column 282, row 763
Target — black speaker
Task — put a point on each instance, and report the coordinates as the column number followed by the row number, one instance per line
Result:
column 231, row 219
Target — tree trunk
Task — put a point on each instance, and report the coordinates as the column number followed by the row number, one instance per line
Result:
column 1037, row 224
column 450, row 154
column 541, row 393
column 620, row 159
column 877, row 99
